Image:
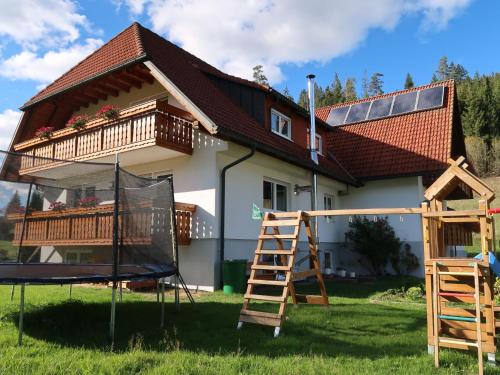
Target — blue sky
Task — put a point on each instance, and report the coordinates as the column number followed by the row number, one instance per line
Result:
column 290, row 38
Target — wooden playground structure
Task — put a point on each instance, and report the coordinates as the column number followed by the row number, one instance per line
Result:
column 459, row 291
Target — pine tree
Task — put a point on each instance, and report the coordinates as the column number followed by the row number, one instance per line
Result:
column 338, row 95
column 409, row 81
column 350, row 90
column 259, row 76
column 303, row 99
column 14, row 204
column 442, row 71
column 286, row 93
column 434, row 78
column 376, row 83
column 365, row 85
column 457, row 72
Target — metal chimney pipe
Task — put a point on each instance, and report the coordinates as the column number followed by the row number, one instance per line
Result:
column 314, row 151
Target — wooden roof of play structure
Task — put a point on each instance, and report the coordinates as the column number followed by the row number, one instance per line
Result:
column 455, row 176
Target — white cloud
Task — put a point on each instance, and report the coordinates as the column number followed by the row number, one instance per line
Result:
column 46, row 67
column 237, row 35
column 8, row 123
column 31, row 23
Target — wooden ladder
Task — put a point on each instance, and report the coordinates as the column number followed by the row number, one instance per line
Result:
column 280, row 275
column 471, row 271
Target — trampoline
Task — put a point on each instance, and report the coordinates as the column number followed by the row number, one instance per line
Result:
column 76, row 222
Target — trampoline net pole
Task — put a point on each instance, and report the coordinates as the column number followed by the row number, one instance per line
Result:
column 175, row 248
column 21, row 316
column 162, row 324
column 116, row 213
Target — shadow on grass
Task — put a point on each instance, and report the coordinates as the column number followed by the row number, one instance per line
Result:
column 357, row 330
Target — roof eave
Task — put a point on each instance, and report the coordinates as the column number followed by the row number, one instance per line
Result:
column 125, row 64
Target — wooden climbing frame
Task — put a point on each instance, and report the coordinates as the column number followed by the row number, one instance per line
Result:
column 278, row 272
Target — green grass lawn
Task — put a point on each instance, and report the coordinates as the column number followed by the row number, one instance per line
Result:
column 353, row 336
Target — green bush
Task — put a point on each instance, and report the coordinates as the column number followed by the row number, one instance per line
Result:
column 414, row 293
column 404, row 261
column 375, row 241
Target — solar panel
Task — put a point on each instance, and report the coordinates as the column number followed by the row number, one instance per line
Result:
column 358, row 112
column 404, row 103
column 380, row 108
column 431, row 98
column 337, row 116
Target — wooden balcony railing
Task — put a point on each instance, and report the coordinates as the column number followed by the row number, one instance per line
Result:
column 155, row 123
column 94, row 226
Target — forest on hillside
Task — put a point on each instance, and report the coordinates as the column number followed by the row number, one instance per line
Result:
column 478, row 98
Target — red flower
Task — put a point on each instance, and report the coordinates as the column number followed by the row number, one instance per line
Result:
column 44, row 132
column 88, row 202
column 57, row 206
column 108, row 112
column 77, row 122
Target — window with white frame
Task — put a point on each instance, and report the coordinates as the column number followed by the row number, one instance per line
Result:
column 281, row 124
column 318, row 144
column 275, row 195
column 329, row 204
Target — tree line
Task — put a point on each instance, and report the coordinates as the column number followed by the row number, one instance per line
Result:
column 478, row 105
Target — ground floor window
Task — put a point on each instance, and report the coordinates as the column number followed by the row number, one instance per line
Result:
column 275, row 195
column 329, row 204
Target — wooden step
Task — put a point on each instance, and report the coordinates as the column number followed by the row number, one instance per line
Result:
column 497, row 324
column 263, row 297
column 267, row 282
column 274, row 252
column 280, row 223
column 269, row 267
column 259, row 317
column 277, row 237
column 447, row 340
column 453, row 273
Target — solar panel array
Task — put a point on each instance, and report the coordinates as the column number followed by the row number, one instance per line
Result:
column 389, row 106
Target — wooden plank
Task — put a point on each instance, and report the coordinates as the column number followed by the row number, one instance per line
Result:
column 274, row 252
column 260, row 313
column 276, row 237
column 263, row 297
column 366, row 211
column 453, row 213
column 267, row 282
column 269, row 267
column 445, row 340
column 464, row 334
column 280, row 223
column 274, row 322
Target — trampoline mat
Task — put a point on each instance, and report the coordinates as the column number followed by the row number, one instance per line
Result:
column 61, row 273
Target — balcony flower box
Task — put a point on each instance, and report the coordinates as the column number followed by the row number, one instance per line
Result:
column 57, row 206
column 45, row 132
column 77, row 122
column 108, row 112
column 88, row 202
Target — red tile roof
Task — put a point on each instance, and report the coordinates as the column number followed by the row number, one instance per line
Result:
column 409, row 144
column 188, row 73
column 124, row 47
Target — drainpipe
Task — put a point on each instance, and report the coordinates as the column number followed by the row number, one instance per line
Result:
column 223, row 209
column 314, row 153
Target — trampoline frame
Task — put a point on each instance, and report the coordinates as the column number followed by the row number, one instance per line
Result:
column 115, row 277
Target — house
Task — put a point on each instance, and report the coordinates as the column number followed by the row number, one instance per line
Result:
column 181, row 116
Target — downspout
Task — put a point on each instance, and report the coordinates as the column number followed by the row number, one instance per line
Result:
column 314, row 153
column 223, row 209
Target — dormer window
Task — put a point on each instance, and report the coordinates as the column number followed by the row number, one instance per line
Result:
column 281, row 124
column 318, row 143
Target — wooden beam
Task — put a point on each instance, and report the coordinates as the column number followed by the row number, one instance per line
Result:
column 129, row 78
column 141, row 74
column 120, row 85
column 96, row 93
column 360, row 212
column 107, row 89
column 86, row 98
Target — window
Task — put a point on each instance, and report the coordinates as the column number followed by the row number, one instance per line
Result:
column 318, row 144
column 329, row 204
column 275, row 196
column 281, row 125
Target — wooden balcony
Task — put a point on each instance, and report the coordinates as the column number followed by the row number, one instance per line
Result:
column 155, row 123
column 93, row 226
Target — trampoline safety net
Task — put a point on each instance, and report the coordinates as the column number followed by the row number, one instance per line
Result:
column 82, row 222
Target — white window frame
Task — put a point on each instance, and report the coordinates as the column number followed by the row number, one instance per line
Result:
column 274, row 192
column 329, row 218
column 320, row 142
column 277, row 113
